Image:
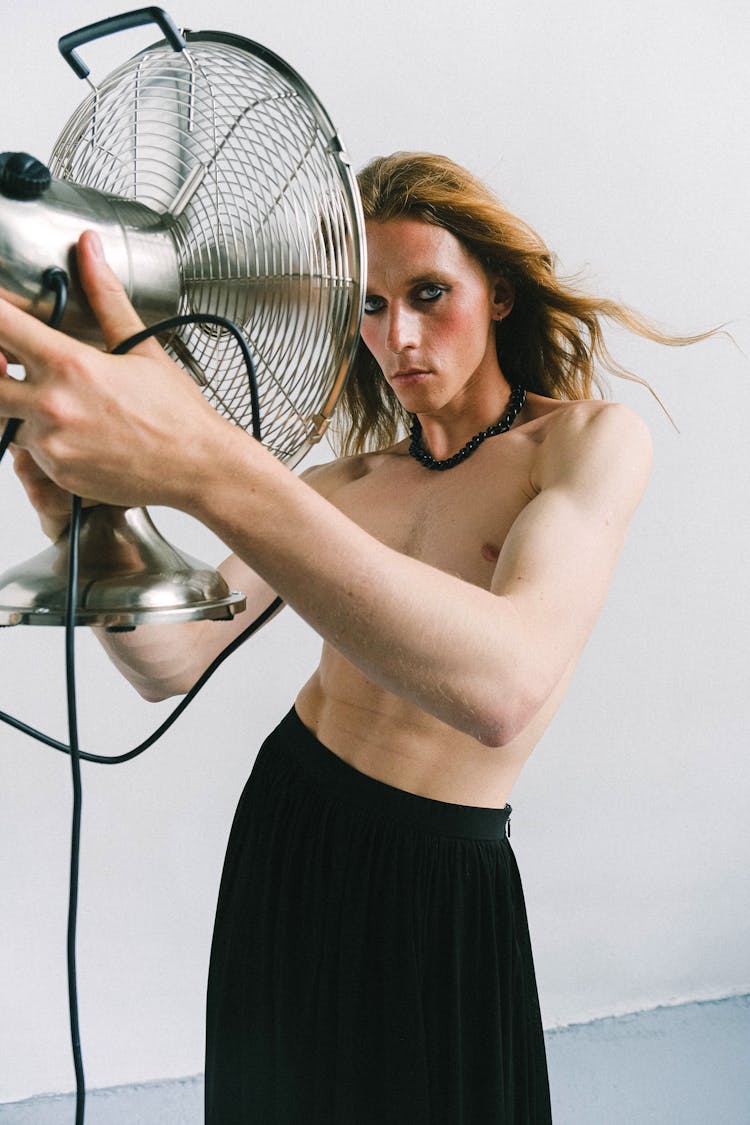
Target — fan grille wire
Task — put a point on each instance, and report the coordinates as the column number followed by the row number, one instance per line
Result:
column 266, row 218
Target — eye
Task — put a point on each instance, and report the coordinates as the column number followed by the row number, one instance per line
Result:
column 430, row 292
column 373, row 305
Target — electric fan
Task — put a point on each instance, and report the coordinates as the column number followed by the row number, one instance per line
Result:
column 218, row 185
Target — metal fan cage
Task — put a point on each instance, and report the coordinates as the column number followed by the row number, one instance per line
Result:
column 233, row 149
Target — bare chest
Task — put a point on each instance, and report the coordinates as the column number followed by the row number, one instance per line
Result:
column 455, row 520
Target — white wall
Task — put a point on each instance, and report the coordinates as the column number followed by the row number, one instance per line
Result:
column 620, row 131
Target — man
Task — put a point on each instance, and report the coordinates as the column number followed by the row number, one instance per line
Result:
column 371, row 960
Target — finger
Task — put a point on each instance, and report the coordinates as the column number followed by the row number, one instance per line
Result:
column 8, row 426
column 14, row 406
column 117, row 317
column 27, row 339
column 5, row 364
column 42, row 491
column 9, row 434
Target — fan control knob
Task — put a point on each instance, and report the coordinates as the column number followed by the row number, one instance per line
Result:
column 23, row 176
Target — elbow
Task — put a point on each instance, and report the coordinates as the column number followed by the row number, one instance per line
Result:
column 500, row 722
column 496, row 731
column 154, row 692
column 151, row 695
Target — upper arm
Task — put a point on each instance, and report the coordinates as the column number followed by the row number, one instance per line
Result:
column 558, row 559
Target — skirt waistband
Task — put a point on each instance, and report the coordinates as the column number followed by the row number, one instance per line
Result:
column 336, row 776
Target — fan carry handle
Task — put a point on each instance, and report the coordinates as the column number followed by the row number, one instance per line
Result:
column 67, row 43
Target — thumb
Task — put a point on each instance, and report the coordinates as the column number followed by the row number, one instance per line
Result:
column 116, row 316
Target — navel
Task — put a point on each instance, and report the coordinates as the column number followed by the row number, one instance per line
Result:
column 490, row 552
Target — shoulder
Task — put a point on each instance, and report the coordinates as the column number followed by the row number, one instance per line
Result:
column 329, row 477
column 592, row 423
column 596, row 447
column 564, row 428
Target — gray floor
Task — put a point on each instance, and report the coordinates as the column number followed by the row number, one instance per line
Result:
column 686, row 1065
column 156, row 1103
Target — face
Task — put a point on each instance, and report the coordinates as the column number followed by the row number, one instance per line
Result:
column 430, row 317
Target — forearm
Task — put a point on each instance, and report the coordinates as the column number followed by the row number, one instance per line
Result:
column 165, row 660
column 158, row 660
column 418, row 632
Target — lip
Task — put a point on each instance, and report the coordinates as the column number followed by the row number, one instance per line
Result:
column 409, row 373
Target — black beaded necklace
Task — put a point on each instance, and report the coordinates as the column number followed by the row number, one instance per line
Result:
column 419, row 453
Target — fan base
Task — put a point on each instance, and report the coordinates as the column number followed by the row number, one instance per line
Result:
column 128, row 575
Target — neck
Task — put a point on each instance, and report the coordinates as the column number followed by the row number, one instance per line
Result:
column 445, row 432
column 418, row 451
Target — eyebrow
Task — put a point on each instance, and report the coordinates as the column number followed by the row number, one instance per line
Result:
column 431, row 277
column 422, row 278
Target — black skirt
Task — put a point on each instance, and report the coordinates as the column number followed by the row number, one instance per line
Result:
column 371, row 962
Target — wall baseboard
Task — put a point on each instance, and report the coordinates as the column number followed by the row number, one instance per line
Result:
column 681, row 1065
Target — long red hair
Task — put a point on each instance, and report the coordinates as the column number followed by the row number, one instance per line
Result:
column 552, row 342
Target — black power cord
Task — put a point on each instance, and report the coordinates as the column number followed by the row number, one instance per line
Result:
column 75, row 832
column 57, row 281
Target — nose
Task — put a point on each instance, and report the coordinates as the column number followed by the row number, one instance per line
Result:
column 403, row 328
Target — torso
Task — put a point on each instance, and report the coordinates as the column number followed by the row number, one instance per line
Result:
column 457, row 521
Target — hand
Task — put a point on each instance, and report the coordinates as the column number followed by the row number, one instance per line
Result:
column 52, row 504
column 120, row 429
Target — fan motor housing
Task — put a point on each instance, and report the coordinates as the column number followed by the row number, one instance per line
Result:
column 39, row 233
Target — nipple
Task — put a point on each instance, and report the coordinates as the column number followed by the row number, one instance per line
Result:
column 490, row 552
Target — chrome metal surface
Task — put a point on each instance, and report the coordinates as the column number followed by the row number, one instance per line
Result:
column 218, row 184
column 128, row 575
column 39, row 233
